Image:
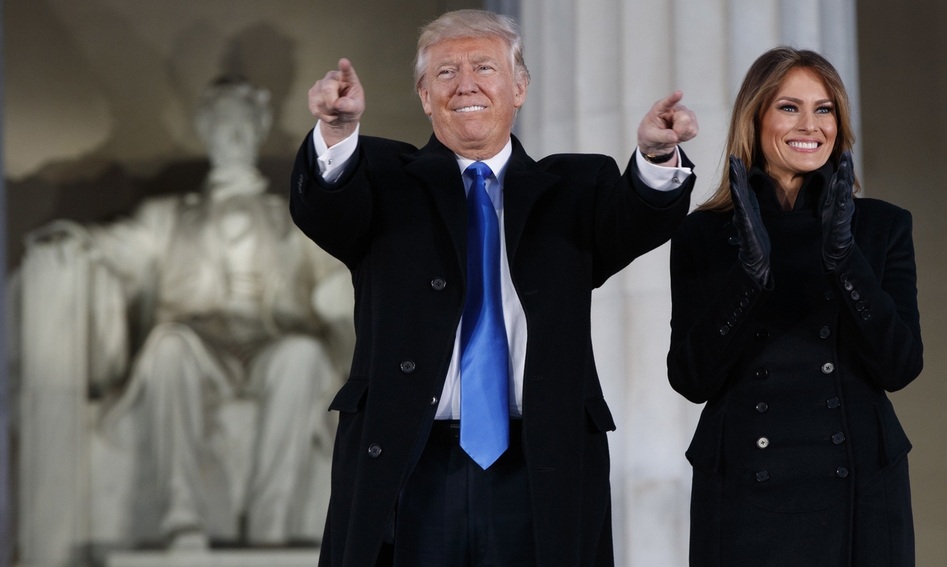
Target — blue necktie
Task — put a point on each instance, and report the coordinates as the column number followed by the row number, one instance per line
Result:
column 484, row 367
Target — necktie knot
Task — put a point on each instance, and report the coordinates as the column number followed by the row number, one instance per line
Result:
column 478, row 169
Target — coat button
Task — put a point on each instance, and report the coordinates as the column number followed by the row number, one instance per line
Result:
column 762, row 442
column 828, row 368
column 848, row 285
column 762, row 476
column 724, row 330
column 762, row 372
column 855, row 295
column 841, row 472
column 829, row 295
column 438, row 284
column 408, row 366
column 866, row 315
column 838, row 438
column 825, row 332
column 833, row 403
column 762, row 334
column 762, row 407
column 434, row 401
column 374, row 450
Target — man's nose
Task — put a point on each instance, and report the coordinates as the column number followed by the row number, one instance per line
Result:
column 467, row 81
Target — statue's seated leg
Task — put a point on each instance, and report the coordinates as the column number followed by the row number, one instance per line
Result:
column 292, row 378
column 182, row 383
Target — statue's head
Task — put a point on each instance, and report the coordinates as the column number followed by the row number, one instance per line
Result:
column 233, row 119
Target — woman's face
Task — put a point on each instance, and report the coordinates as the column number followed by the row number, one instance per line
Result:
column 798, row 129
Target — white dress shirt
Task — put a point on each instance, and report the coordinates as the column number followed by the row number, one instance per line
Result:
column 331, row 164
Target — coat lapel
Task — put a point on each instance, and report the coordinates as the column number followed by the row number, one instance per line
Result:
column 435, row 167
column 524, row 182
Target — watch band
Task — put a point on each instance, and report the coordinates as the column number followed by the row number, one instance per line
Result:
column 659, row 158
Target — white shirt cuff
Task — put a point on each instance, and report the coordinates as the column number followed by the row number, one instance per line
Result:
column 661, row 178
column 332, row 160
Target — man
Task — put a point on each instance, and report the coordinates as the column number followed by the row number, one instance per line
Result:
column 411, row 485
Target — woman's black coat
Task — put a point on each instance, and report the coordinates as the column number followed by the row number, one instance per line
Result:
column 798, row 457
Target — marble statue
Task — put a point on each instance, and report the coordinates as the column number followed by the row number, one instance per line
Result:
column 231, row 303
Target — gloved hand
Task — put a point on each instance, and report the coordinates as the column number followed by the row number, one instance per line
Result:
column 754, row 240
column 838, row 206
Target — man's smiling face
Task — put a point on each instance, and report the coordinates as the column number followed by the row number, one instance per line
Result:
column 469, row 90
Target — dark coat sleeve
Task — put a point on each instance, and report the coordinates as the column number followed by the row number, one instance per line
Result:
column 878, row 286
column 713, row 303
column 641, row 219
column 338, row 216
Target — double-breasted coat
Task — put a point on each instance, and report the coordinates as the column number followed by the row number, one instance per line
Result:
column 798, row 456
column 397, row 219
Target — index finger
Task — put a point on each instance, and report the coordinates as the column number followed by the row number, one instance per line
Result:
column 669, row 102
column 347, row 72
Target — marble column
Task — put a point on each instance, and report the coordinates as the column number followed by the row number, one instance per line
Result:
column 597, row 66
column 6, row 504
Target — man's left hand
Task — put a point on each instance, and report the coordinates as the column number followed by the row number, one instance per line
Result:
column 666, row 125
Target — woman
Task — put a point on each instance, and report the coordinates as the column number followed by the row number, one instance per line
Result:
column 794, row 310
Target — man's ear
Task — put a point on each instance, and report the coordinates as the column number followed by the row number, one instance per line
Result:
column 519, row 94
column 425, row 97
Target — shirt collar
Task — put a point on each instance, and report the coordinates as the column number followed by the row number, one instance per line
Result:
column 497, row 163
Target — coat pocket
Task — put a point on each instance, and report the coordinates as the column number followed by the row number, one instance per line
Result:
column 599, row 414
column 351, row 396
column 893, row 441
column 705, row 451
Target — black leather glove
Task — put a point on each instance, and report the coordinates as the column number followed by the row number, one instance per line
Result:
column 838, row 206
column 754, row 240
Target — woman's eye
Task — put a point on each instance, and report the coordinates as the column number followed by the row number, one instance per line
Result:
column 824, row 110
column 788, row 108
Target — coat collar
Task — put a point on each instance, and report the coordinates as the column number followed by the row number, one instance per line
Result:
column 810, row 194
column 435, row 167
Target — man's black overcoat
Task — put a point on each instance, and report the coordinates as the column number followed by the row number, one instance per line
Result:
column 397, row 219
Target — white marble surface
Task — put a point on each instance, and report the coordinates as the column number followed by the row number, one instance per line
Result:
column 254, row 558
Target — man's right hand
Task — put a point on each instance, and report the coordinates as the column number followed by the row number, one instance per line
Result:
column 338, row 101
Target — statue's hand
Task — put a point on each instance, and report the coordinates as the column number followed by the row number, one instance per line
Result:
column 59, row 230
